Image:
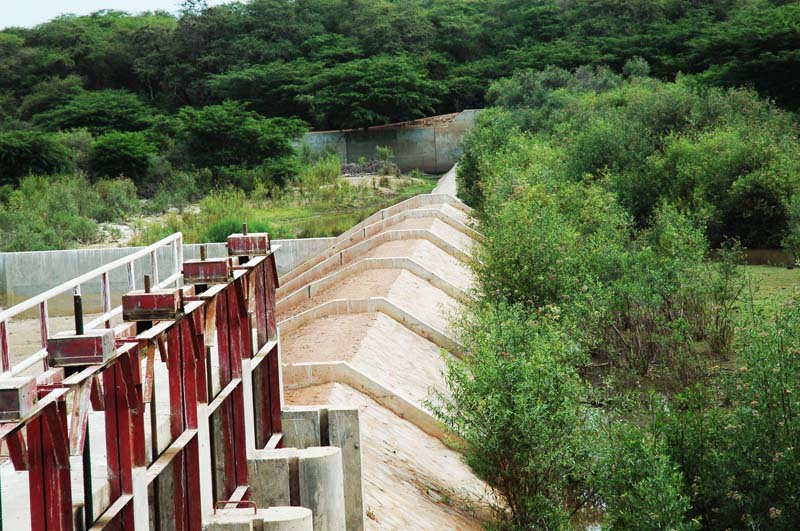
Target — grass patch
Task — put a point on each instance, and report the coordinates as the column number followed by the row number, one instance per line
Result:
column 773, row 283
column 321, row 210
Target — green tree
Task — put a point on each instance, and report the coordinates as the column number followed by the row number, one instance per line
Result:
column 270, row 90
column 100, row 111
column 241, row 138
column 372, row 91
column 122, row 153
column 517, row 404
column 26, row 152
column 48, row 94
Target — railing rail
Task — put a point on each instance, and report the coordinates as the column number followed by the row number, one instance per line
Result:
column 104, row 274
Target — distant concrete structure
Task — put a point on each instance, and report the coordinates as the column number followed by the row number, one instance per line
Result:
column 431, row 145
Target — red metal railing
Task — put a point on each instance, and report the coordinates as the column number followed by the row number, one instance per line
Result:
column 200, row 370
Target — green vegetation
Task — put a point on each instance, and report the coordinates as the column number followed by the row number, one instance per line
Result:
column 216, row 96
column 619, row 360
column 321, row 203
column 773, row 284
column 727, row 158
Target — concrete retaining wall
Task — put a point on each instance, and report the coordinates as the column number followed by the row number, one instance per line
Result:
column 430, row 149
column 23, row 275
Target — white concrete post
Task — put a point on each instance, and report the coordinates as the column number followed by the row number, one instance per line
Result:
column 321, row 486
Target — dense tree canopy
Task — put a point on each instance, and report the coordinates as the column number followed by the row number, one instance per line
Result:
column 339, row 63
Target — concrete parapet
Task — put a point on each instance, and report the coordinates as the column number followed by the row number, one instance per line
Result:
column 432, row 148
column 24, row 274
column 321, row 487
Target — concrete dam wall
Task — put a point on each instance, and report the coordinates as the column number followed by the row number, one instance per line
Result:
column 432, row 149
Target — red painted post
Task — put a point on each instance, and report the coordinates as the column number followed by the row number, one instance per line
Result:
column 192, row 451
column 36, row 475
column 4, row 358
column 177, row 424
column 48, row 470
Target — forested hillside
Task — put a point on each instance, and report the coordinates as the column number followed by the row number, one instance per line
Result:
column 209, row 98
column 343, row 63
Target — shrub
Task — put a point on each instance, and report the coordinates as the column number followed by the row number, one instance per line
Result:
column 549, row 247
column 737, row 446
column 118, row 200
column 326, row 171
column 640, row 488
column 516, row 403
column 78, row 143
column 493, row 129
column 727, row 158
column 791, row 241
column 26, row 152
column 175, row 190
column 126, row 154
column 49, row 213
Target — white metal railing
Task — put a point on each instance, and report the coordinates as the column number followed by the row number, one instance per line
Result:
column 74, row 286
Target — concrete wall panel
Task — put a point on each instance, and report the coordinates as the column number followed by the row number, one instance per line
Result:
column 430, row 149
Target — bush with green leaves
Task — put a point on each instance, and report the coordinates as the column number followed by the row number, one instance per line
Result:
column 49, row 213
column 736, row 442
column 727, row 158
column 26, row 152
column 118, row 200
column 122, row 154
column 640, row 487
column 323, row 173
column 517, row 403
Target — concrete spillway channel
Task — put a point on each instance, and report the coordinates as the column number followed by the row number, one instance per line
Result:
column 365, row 324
